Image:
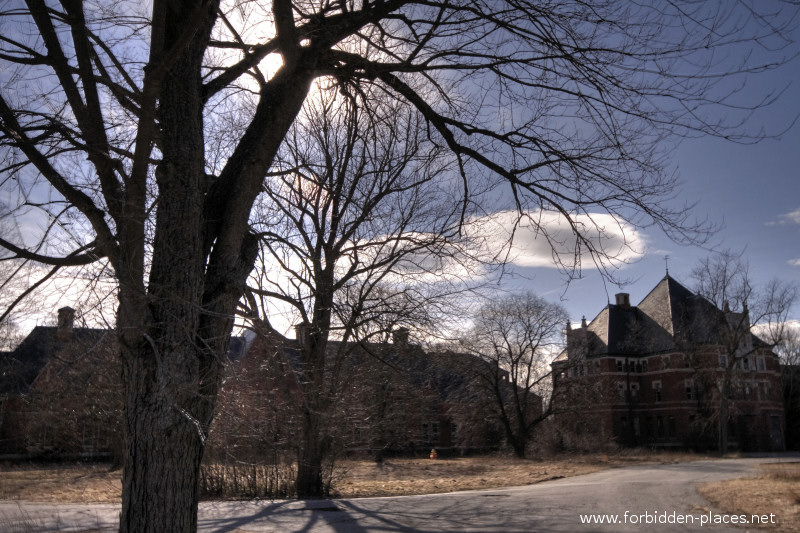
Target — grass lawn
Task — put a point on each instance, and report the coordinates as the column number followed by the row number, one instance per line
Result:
column 777, row 489
column 352, row 478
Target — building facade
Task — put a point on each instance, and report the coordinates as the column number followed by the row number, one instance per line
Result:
column 385, row 397
column 670, row 371
column 61, row 393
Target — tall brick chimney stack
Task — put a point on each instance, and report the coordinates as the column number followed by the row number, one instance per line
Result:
column 66, row 323
column 624, row 300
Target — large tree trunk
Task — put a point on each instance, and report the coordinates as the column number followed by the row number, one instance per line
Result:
column 309, row 482
column 173, row 334
column 171, row 339
column 163, row 450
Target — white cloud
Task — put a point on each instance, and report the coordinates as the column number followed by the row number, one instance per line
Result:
column 794, row 262
column 793, row 217
column 546, row 239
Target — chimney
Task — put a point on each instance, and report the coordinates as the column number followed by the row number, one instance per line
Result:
column 301, row 333
column 400, row 337
column 577, row 342
column 66, row 323
column 624, row 300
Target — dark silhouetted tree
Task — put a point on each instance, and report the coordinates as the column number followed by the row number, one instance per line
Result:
column 141, row 141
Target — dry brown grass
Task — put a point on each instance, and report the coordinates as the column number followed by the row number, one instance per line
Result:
column 60, row 483
column 399, row 477
column 353, row 479
column 776, row 490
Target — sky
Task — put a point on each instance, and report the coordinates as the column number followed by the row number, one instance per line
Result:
column 752, row 191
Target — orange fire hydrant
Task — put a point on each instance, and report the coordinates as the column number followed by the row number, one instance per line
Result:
column 434, row 455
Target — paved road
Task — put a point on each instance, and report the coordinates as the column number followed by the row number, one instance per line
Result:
column 662, row 492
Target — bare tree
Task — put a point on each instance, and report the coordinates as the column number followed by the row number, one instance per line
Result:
column 358, row 228
column 143, row 140
column 518, row 335
column 744, row 324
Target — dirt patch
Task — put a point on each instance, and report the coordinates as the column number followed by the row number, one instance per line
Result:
column 353, row 479
column 776, row 490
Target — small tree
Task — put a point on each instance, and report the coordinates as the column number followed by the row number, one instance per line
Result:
column 723, row 342
column 357, row 225
column 518, row 335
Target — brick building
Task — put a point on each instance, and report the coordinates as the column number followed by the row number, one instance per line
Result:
column 61, row 396
column 391, row 397
column 60, row 392
column 659, row 370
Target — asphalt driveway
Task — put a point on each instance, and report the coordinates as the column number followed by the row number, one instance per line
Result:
column 638, row 498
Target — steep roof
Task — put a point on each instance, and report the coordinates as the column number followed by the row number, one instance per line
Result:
column 19, row 368
column 669, row 316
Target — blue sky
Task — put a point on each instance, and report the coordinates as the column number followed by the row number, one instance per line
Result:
column 752, row 190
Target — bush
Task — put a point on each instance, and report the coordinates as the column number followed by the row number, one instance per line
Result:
column 244, row 481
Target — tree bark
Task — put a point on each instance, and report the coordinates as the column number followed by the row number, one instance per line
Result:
column 163, row 450
column 309, row 482
column 171, row 341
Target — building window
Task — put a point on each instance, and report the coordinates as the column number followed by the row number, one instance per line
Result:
column 746, row 391
column 619, row 365
column 689, row 389
column 762, row 391
column 723, row 361
column 430, row 432
column 636, row 428
column 657, row 390
column 673, row 427
column 665, row 362
column 644, row 365
column 761, row 362
column 621, row 390
column 597, row 367
column 634, row 390
column 659, row 426
column 745, row 363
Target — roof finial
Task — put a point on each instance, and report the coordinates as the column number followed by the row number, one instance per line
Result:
column 666, row 263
